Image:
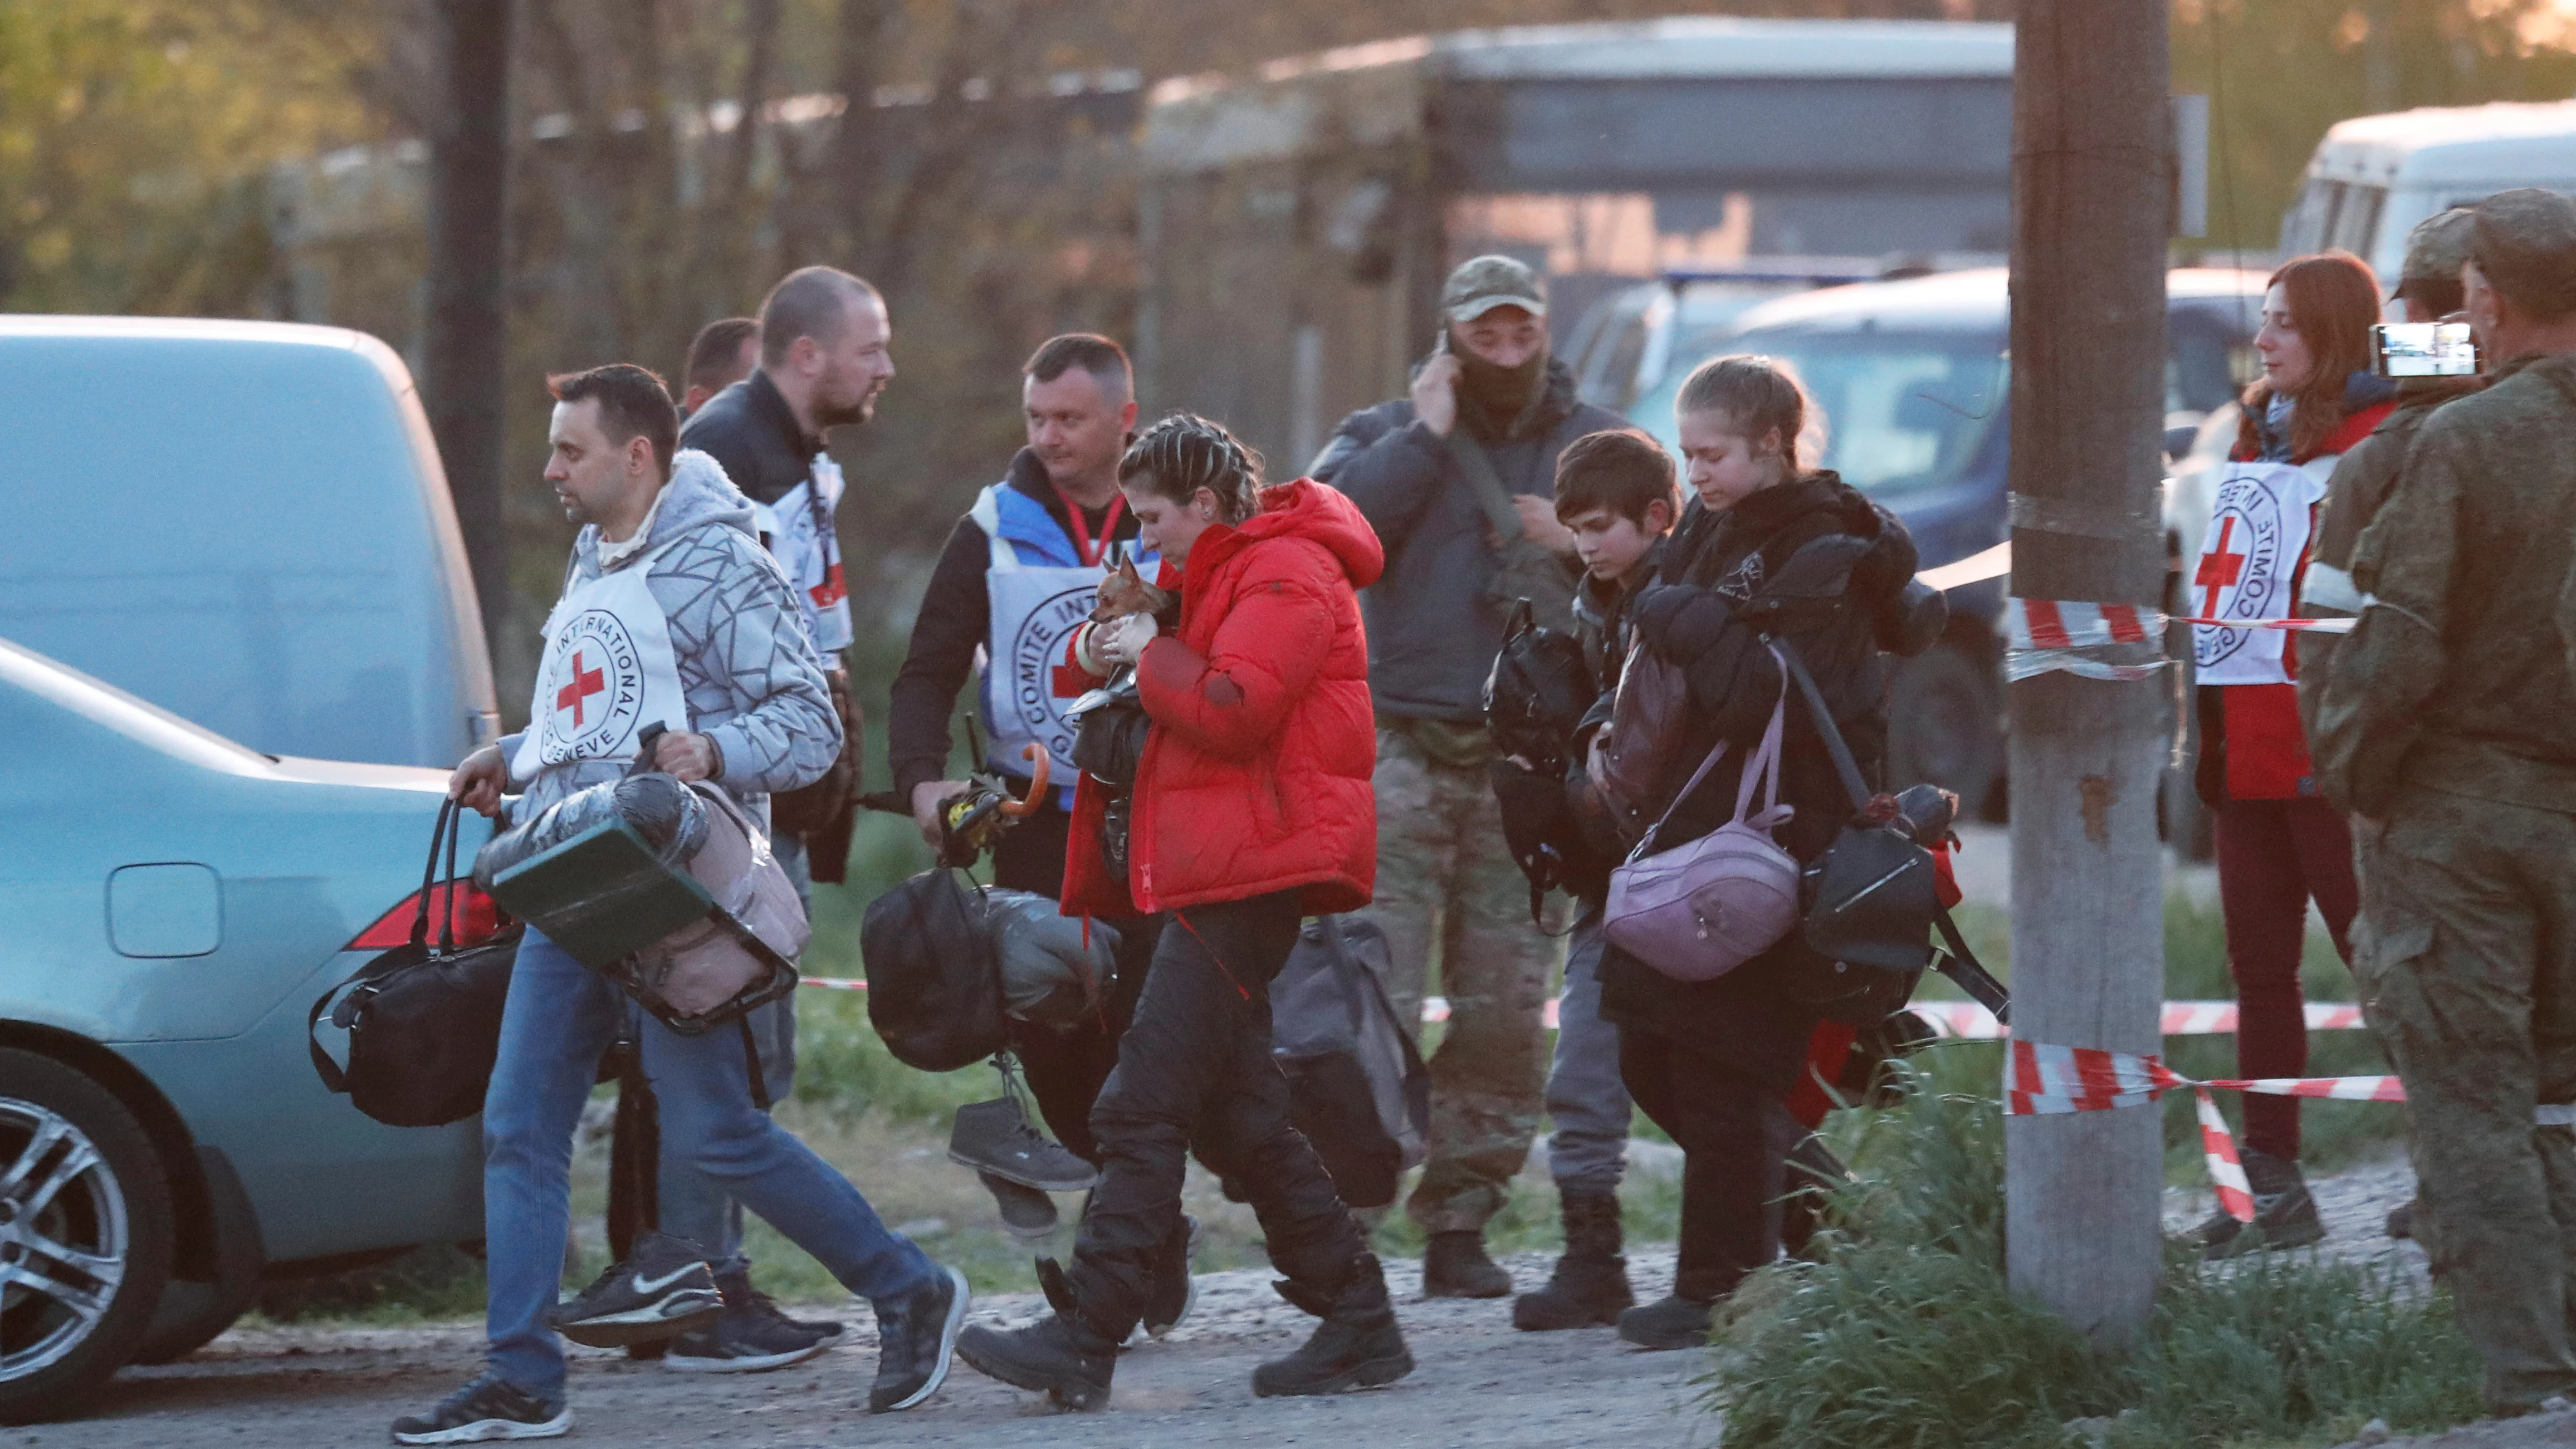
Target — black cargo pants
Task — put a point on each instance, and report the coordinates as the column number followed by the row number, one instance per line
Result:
column 1195, row 1070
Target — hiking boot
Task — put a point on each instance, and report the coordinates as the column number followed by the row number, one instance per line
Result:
column 1590, row 1284
column 916, row 1334
column 1455, row 1266
column 662, row 1290
column 1027, row 1214
column 2284, row 1215
column 1175, row 1289
column 2401, row 1218
column 1357, row 1346
column 1668, row 1323
column 995, row 1137
column 751, row 1336
column 483, row 1410
column 1061, row 1356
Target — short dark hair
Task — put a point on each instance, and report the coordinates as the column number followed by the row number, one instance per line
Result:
column 632, row 402
column 1620, row 469
column 807, row 302
column 1105, row 360
column 713, row 351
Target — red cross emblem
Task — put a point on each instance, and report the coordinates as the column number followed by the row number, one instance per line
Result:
column 2218, row 568
column 585, row 683
column 1066, row 680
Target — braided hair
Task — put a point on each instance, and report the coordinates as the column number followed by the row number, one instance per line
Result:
column 1184, row 453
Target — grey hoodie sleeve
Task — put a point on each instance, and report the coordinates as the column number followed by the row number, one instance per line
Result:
column 1389, row 464
column 754, row 684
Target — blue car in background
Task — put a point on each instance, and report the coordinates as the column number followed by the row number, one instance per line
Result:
column 1914, row 382
column 231, row 559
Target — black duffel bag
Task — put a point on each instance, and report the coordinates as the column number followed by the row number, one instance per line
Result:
column 934, row 979
column 424, row 1020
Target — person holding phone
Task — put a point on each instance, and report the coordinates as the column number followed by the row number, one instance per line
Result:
column 2280, row 845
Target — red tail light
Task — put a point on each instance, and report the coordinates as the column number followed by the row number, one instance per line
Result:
column 478, row 918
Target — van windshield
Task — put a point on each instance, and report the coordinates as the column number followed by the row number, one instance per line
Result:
column 1903, row 412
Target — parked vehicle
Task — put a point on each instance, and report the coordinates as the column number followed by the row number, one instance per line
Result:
column 1619, row 349
column 1914, row 385
column 176, row 903
column 1296, row 225
column 244, row 523
column 2373, row 177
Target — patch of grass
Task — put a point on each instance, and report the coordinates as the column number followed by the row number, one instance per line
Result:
column 1907, row 1335
column 436, row 1282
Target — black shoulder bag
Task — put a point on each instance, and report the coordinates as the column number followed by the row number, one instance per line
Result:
column 424, row 1021
column 1870, row 901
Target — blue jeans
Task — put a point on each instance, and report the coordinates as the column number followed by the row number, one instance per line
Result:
column 1584, row 1094
column 690, row 1204
column 560, row 1017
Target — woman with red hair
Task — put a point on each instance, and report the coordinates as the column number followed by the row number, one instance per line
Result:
column 2280, row 845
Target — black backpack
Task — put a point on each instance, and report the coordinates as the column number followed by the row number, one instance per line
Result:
column 424, row 1021
column 1356, row 1087
column 934, row 982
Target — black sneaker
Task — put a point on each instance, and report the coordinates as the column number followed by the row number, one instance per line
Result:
column 751, row 1336
column 2284, row 1215
column 916, row 1335
column 1357, row 1346
column 1667, row 1323
column 995, row 1137
column 1175, row 1289
column 1027, row 1214
column 483, row 1410
column 662, row 1290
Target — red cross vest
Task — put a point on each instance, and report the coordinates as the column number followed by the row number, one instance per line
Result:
column 608, row 671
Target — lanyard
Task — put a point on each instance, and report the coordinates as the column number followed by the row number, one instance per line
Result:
column 1082, row 545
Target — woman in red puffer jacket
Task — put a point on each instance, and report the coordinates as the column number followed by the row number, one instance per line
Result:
column 1250, row 808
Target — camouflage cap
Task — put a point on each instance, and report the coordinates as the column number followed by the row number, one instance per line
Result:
column 1483, row 283
column 2436, row 248
column 2524, row 241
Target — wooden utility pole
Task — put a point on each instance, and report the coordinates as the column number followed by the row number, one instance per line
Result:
column 2091, row 177
column 466, row 352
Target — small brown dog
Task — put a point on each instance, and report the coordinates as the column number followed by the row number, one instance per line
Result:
column 1125, row 592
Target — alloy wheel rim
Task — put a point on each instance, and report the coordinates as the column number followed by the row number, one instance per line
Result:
column 64, row 1238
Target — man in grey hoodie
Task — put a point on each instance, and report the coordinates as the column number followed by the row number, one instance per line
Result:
column 672, row 613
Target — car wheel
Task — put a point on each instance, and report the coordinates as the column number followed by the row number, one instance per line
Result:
column 1945, row 726
column 85, row 1240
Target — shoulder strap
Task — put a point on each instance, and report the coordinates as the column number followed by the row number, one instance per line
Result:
column 1482, row 481
column 1826, row 729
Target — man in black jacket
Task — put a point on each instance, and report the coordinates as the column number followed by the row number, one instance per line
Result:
column 824, row 357
column 1458, row 479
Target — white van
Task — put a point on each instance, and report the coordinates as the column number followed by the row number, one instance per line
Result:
column 2374, row 177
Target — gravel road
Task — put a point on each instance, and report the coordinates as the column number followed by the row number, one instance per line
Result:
column 1478, row 1383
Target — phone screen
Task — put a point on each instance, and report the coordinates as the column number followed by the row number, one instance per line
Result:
column 2424, row 349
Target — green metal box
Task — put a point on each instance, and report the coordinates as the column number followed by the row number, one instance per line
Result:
column 601, row 895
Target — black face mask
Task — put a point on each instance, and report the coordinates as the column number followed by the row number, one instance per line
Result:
column 1494, row 397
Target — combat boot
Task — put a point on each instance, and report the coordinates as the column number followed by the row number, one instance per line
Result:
column 2284, row 1215
column 1357, row 1346
column 1062, row 1355
column 1590, row 1284
column 1455, row 1266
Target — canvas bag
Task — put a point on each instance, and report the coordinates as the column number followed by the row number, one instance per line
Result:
column 1356, row 1088
column 1700, row 910
column 699, row 970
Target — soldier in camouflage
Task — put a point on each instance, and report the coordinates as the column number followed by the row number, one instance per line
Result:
column 2448, row 730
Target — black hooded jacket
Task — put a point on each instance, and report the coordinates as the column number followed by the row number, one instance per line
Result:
column 1813, row 562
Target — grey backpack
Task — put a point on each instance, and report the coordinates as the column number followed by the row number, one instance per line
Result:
column 1356, row 1086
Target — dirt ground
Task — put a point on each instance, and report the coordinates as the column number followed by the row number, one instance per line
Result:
column 1479, row 1383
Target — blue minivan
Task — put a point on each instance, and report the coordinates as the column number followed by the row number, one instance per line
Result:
column 1914, row 380
column 239, row 648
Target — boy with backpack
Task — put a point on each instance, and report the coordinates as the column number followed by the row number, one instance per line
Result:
column 1617, row 492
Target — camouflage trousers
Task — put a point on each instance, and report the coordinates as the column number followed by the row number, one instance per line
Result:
column 2466, row 956
column 1447, row 889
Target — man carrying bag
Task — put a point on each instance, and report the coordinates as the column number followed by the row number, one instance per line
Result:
column 671, row 615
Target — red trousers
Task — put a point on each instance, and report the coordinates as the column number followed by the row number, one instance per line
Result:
column 2274, row 856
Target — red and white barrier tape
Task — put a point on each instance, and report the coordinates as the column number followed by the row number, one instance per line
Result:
column 2042, row 1080
column 1968, row 1021
column 2042, row 632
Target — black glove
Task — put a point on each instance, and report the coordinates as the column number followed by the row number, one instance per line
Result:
column 1537, row 825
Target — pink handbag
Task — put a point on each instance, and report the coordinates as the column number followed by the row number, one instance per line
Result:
column 1700, row 910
